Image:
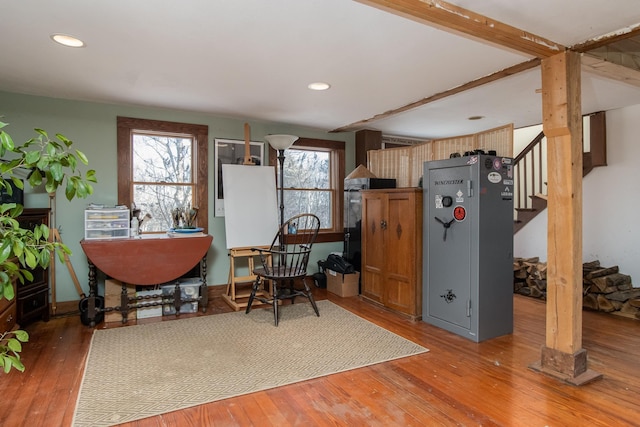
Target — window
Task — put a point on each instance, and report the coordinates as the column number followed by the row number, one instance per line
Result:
column 314, row 183
column 162, row 166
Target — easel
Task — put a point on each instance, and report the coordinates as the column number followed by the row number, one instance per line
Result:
column 55, row 238
column 232, row 296
column 239, row 299
column 247, row 146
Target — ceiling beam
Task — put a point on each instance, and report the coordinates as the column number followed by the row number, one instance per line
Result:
column 463, row 21
column 518, row 68
column 607, row 39
column 610, row 70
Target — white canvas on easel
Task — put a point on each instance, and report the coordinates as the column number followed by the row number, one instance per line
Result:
column 250, row 204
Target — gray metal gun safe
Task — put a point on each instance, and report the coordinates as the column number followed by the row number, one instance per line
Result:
column 468, row 246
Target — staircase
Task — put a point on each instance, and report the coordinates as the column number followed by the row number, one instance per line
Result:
column 530, row 172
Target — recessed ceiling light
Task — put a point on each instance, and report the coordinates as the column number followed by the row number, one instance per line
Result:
column 476, row 118
column 319, row 86
column 67, row 40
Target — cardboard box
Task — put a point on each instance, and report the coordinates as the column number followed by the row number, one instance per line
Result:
column 112, row 292
column 344, row 285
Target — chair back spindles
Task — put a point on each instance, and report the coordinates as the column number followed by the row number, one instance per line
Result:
column 286, row 260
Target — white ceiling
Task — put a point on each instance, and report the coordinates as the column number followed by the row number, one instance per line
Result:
column 253, row 59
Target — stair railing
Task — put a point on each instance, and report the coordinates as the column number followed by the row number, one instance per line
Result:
column 530, row 173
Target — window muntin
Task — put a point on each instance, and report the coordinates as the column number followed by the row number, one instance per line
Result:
column 307, row 184
column 336, row 152
column 187, row 156
column 162, row 176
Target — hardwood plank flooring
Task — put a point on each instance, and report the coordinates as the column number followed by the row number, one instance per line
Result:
column 458, row 382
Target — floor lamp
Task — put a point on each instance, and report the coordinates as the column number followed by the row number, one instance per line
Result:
column 281, row 143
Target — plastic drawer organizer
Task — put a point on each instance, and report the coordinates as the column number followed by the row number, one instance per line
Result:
column 106, row 224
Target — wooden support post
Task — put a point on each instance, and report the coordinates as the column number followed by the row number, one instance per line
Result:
column 563, row 356
column 247, row 146
column 367, row 140
column 236, row 298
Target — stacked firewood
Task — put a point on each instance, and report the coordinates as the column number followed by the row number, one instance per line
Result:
column 604, row 288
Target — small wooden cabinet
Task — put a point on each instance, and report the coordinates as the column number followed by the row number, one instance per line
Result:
column 392, row 249
column 8, row 313
column 32, row 297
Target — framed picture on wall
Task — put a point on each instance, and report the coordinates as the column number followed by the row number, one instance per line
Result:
column 231, row 151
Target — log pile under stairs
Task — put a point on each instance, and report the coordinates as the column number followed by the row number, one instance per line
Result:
column 603, row 288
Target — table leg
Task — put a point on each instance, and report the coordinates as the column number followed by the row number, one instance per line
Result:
column 93, row 292
column 204, row 289
column 124, row 303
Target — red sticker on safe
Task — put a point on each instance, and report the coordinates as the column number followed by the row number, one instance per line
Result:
column 459, row 213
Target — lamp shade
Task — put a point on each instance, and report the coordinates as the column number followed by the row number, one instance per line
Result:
column 280, row 142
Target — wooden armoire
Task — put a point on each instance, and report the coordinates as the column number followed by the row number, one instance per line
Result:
column 392, row 249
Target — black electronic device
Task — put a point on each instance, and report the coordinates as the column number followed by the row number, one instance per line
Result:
column 16, row 196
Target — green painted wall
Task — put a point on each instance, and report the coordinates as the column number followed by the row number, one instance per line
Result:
column 92, row 128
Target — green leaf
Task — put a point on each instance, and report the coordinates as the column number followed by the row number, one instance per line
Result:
column 5, row 250
column 16, row 212
column 42, row 132
column 43, row 163
column 21, row 335
column 27, row 275
column 7, row 142
column 45, row 231
column 91, row 176
column 32, row 157
column 36, row 178
column 70, row 190
column 45, row 259
column 30, row 258
column 14, row 345
column 56, row 171
column 82, row 157
column 18, row 248
column 6, row 207
column 4, row 279
column 51, row 149
column 17, row 364
column 71, row 159
column 8, row 291
column 17, row 182
column 66, row 141
column 81, row 188
column 6, row 362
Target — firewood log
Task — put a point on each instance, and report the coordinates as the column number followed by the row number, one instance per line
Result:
column 612, row 280
column 535, row 292
column 624, row 295
column 602, row 272
column 628, row 307
column 590, row 301
column 590, row 266
column 520, row 274
column 604, row 304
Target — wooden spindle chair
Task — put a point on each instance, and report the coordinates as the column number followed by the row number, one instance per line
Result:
column 285, row 263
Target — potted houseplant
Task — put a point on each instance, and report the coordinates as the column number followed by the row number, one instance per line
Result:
column 49, row 161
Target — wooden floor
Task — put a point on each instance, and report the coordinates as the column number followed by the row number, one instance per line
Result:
column 457, row 382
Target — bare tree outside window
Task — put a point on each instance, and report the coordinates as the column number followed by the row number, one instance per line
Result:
column 307, row 184
column 163, row 176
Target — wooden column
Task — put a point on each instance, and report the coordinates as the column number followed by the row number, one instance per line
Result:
column 563, row 356
column 366, row 140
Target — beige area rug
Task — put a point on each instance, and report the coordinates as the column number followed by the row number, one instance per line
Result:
column 140, row 371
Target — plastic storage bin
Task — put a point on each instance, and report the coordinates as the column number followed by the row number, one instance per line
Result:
column 106, row 224
column 189, row 288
